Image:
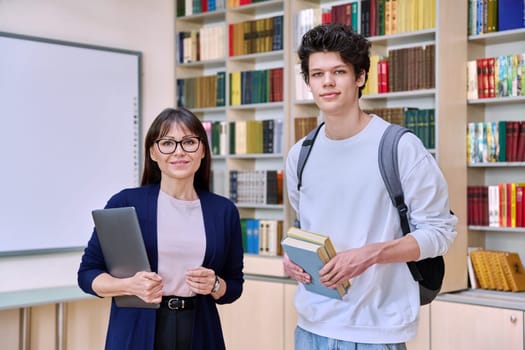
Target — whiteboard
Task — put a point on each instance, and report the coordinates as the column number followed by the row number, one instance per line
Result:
column 69, row 138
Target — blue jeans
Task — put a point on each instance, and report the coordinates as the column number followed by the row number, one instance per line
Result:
column 305, row 340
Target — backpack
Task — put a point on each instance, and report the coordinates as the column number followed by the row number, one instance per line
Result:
column 428, row 272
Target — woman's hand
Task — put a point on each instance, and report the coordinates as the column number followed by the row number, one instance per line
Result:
column 295, row 271
column 201, row 280
column 145, row 285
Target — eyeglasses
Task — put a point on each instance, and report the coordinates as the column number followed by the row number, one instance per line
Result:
column 169, row 146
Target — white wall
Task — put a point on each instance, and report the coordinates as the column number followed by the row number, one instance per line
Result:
column 138, row 25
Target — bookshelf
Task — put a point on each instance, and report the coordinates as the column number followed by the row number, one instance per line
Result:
column 251, row 59
column 496, row 109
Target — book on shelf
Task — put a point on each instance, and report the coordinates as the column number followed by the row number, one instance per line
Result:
column 303, row 125
column 500, row 205
column 502, row 141
column 473, row 280
column 256, row 36
column 510, row 14
column 497, row 270
column 498, row 76
column 256, row 187
column 262, row 236
column 312, row 251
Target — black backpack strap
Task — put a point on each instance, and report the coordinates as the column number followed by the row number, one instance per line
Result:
column 388, row 166
column 306, row 147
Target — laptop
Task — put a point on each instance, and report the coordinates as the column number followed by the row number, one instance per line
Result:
column 120, row 237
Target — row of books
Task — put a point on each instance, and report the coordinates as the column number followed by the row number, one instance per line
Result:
column 499, row 76
column 386, row 17
column 202, row 92
column 256, row 86
column 245, row 136
column 303, row 125
column 488, row 16
column 256, row 186
column 502, row 141
column 237, row 3
column 500, row 205
column 390, row 74
column 496, row 270
column 193, row 7
column 371, row 17
column 342, row 13
column 262, row 236
column 421, row 121
column 206, row 43
column 255, row 36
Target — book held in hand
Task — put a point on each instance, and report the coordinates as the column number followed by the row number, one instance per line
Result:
column 312, row 251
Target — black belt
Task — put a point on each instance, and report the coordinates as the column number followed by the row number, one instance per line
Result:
column 178, row 303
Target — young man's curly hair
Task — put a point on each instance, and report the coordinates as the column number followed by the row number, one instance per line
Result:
column 354, row 48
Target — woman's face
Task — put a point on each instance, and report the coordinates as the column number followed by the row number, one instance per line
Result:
column 183, row 163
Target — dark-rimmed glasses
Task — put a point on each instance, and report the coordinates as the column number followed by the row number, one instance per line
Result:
column 169, row 146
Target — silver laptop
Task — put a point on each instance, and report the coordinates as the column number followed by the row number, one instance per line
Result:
column 118, row 231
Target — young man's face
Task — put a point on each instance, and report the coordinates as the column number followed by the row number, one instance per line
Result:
column 333, row 82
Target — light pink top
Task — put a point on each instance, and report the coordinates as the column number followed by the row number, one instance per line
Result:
column 181, row 242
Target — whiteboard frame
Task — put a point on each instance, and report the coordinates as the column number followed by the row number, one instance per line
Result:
column 138, row 55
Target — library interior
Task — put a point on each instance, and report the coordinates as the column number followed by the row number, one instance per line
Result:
column 451, row 71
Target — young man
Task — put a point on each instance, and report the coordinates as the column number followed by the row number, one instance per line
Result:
column 343, row 195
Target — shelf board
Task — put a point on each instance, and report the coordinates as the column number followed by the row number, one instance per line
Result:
column 484, row 297
column 208, row 109
column 497, row 100
column 259, row 57
column 497, row 229
column 200, row 18
column 256, row 156
column 407, row 38
column 506, row 36
column 266, row 6
column 497, row 165
column 219, row 62
column 400, row 94
column 258, row 106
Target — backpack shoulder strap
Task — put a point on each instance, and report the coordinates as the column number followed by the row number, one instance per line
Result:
column 306, row 147
column 389, row 168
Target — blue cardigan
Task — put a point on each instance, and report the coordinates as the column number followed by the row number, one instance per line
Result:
column 133, row 328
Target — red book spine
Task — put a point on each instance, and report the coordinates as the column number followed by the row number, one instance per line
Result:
column 383, row 76
column 520, row 153
column 519, row 206
column 484, row 205
column 513, row 139
column 373, row 17
column 509, row 204
column 485, row 74
column 230, row 39
column 477, row 211
column 502, row 204
column 490, row 77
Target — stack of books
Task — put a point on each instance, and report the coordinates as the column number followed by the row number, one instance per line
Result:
column 312, row 251
column 496, row 270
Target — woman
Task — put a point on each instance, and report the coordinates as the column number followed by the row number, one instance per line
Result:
column 193, row 241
